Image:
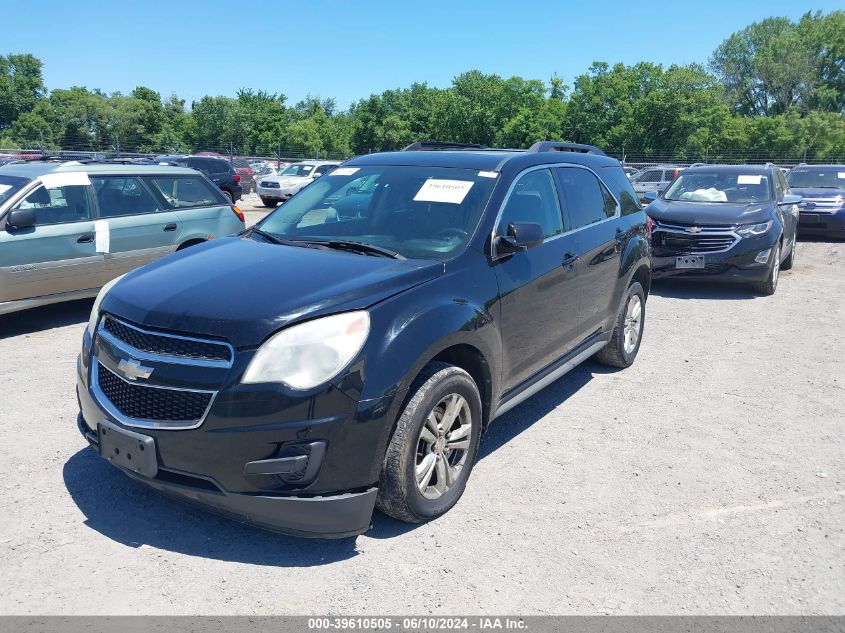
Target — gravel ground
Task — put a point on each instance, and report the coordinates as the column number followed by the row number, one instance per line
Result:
column 706, row 479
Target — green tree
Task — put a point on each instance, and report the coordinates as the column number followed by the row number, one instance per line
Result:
column 21, row 86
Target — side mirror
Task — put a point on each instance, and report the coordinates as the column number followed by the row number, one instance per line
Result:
column 521, row 236
column 651, row 196
column 20, row 219
column 790, row 199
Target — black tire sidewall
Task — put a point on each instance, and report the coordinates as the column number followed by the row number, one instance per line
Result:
column 424, row 508
column 634, row 289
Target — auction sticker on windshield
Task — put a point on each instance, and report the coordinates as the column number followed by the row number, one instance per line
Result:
column 748, row 180
column 344, row 171
column 437, row 190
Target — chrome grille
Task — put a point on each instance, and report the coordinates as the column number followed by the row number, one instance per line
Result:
column 269, row 184
column 684, row 243
column 166, row 345
column 821, row 205
column 153, row 404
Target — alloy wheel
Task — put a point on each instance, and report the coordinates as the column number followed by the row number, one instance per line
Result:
column 443, row 445
column 633, row 323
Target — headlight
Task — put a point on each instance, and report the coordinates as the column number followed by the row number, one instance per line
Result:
column 95, row 309
column 752, row 230
column 312, row 353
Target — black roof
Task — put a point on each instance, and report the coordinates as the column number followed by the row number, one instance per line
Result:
column 729, row 169
column 485, row 160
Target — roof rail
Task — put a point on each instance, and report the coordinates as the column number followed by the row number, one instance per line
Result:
column 424, row 146
column 555, row 146
column 698, row 165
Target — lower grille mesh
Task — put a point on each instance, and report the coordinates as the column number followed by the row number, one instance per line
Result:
column 149, row 403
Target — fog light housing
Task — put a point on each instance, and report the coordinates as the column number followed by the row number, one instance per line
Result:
column 763, row 256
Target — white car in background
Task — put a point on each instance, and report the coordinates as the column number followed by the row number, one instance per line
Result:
column 275, row 189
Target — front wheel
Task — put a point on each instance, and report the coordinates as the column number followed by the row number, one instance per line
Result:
column 434, row 446
column 789, row 262
column 628, row 331
column 268, row 203
column 769, row 286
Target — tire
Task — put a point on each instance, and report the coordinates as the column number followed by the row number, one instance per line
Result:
column 789, row 262
column 268, row 203
column 769, row 286
column 230, row 195
column 402, row 494
column 622, row 348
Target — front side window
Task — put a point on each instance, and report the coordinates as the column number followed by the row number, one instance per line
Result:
column 118, row 196
column 715, row 186
column 585, row 198
column 417, row 212
column 58, row 205
column 817, row 177
column 10, row 185
column 180, row 192
column 533, row 199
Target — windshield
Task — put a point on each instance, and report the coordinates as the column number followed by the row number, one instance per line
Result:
column 822, row 177
column 298, row 170
column 9, row 185
column 417, row 212
column 720, row 187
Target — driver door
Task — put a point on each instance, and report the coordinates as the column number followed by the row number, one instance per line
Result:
column 539, row 296
column 58, row 254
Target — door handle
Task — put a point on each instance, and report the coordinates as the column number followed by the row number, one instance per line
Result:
column 170, row 227
column 568, row 260
column 85, row 238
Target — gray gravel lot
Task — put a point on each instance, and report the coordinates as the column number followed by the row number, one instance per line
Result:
column 707, row 478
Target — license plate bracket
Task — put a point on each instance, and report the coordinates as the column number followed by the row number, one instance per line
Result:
column 127, row 449
column 689, row 261
column 809, row 219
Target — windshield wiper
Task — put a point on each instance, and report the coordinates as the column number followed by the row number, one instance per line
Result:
column 275, row 239
column 359, row 247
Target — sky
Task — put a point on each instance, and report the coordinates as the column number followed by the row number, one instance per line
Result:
column 349, row 50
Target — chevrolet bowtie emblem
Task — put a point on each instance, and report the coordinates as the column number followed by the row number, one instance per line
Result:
column 694, row 229
column 133, row 370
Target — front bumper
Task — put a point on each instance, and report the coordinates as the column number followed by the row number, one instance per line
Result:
column 281, row 194
column 823, row 224
column 736, row 265
column 222, row 464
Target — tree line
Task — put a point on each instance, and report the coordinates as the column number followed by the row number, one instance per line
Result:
column 774, row 89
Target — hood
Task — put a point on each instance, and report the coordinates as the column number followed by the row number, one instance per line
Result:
column 244, row 290
column 287, row 181
column 708, row 213
column 819, row 192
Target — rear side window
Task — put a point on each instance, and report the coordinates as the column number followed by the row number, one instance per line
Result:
column 118, row 196
column 652, row 175
column 219, row 166
column 622, row 189
column 323, row 169
column 534, row 199
column 59, row 205
column 584, row 197
column 181, row 192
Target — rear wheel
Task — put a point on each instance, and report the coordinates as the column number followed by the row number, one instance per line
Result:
column 769, row 286
column 230, row 195
column 628, row 331
column 434, row 446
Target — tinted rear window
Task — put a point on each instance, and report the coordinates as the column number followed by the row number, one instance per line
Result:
column 9, row 185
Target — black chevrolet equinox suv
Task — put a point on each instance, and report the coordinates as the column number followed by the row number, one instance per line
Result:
column 325, row 362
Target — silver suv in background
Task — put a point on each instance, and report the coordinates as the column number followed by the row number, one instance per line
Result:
column 67, row 229
column 654, row 179
column 275, row 189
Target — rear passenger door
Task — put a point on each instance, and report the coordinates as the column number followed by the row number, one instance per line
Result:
column 141, row 228
column 590, row 210
column 58, row 254
column 201, row 208
column 538, row 288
